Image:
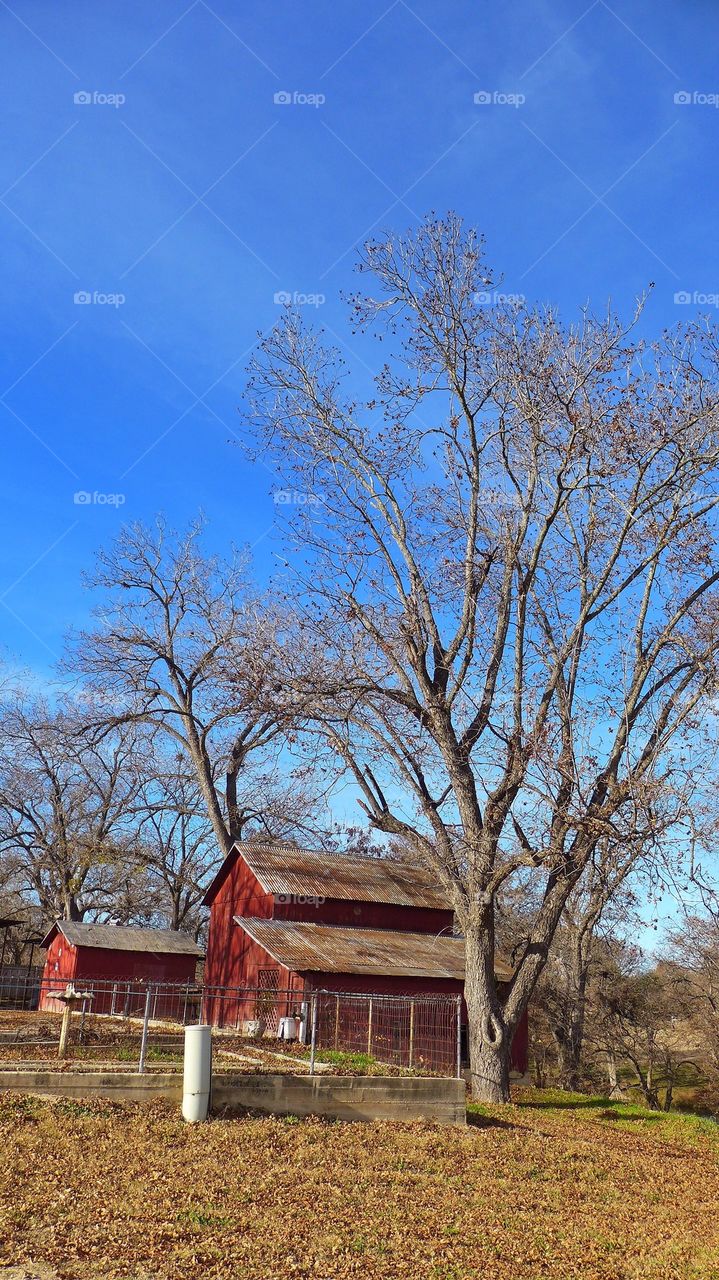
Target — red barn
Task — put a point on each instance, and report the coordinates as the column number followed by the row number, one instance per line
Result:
column 116, row 957
column 287, row 919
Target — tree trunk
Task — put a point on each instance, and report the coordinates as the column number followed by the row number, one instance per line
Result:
column 70, row 907
column 615, row 1092
column 540, row 1080
column 570, row 1037
column 489, row 1037
column 573, row 1058
column 205, row 781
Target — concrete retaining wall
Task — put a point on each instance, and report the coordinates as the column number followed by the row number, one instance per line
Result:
column 346, row 1097
column 117, row 1085
column 336, row 1097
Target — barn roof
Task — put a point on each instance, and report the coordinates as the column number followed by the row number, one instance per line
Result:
column 286, row 869
column 115, row 937
column 324, row 948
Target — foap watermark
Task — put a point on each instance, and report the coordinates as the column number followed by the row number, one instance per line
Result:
column 300, row 899
column 498, row 98
column 494, row 298
column 695, row 98
column 285, row 298
column 695, row 298
column 96, row 98
column 297, row 498
column 84, row 498
column 298, row 98
column 96, row 298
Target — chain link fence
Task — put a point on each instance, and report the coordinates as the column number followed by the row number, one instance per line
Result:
column 112, row 1023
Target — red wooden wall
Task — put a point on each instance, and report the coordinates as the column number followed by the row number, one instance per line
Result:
column 60, row 963
column 65, row 963
column 367, row 915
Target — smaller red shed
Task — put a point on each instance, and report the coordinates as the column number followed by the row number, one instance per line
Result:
column 110, row 953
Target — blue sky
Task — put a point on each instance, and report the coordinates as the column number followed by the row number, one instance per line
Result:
column 198, row 198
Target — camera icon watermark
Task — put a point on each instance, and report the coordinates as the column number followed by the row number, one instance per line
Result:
column 494, row 298
column 299, row 899
column 695, row 98
column 95, row 98
column 298, row 98
column 695, row 298
column 497, row 98
column 297, row 498
column 285, row 298
column 88, row 298
column 83, row 498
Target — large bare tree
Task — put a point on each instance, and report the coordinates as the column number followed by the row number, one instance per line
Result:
column 186, row 646
column 505, row 564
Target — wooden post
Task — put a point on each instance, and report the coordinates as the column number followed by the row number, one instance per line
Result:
column 145, row 1030
column 64, row 1029
column 337, row 1022
column 411, row 1033
column 313, row 1043
column 369, row 1029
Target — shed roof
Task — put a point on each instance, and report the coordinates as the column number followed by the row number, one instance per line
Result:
column 115, row 937
column 285, row 869
column 324, row 948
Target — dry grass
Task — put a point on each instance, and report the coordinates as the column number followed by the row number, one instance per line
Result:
column 555, row 1187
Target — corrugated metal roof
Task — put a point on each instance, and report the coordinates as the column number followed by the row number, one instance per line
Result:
column 116, row 937
column 331, row 949
column 283, row 868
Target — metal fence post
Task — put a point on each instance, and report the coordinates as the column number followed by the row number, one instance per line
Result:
column 411, row 1034
column 81, row 1032
column 313, row 1041
column 459, row 1037
column 369, row 1029
column 145, row 1030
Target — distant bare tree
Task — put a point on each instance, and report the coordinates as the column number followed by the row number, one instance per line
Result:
column 604, row 899
column 693, row 954
column 178, row 848
column 632, row 1024
column 186, row 646
column 65, row 801
column 506, row 580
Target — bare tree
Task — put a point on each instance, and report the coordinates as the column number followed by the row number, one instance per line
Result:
column 633, row 1024
column 65, row 800
column 606, row 898
column 693, row 956
column 186, row 646
column 178, row 848
column 506, row 581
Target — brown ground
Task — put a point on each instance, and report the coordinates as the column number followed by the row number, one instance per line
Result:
column 537, row 1190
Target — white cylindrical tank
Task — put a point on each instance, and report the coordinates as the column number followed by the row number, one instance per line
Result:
column 197, row 1074
column 287, row 1029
